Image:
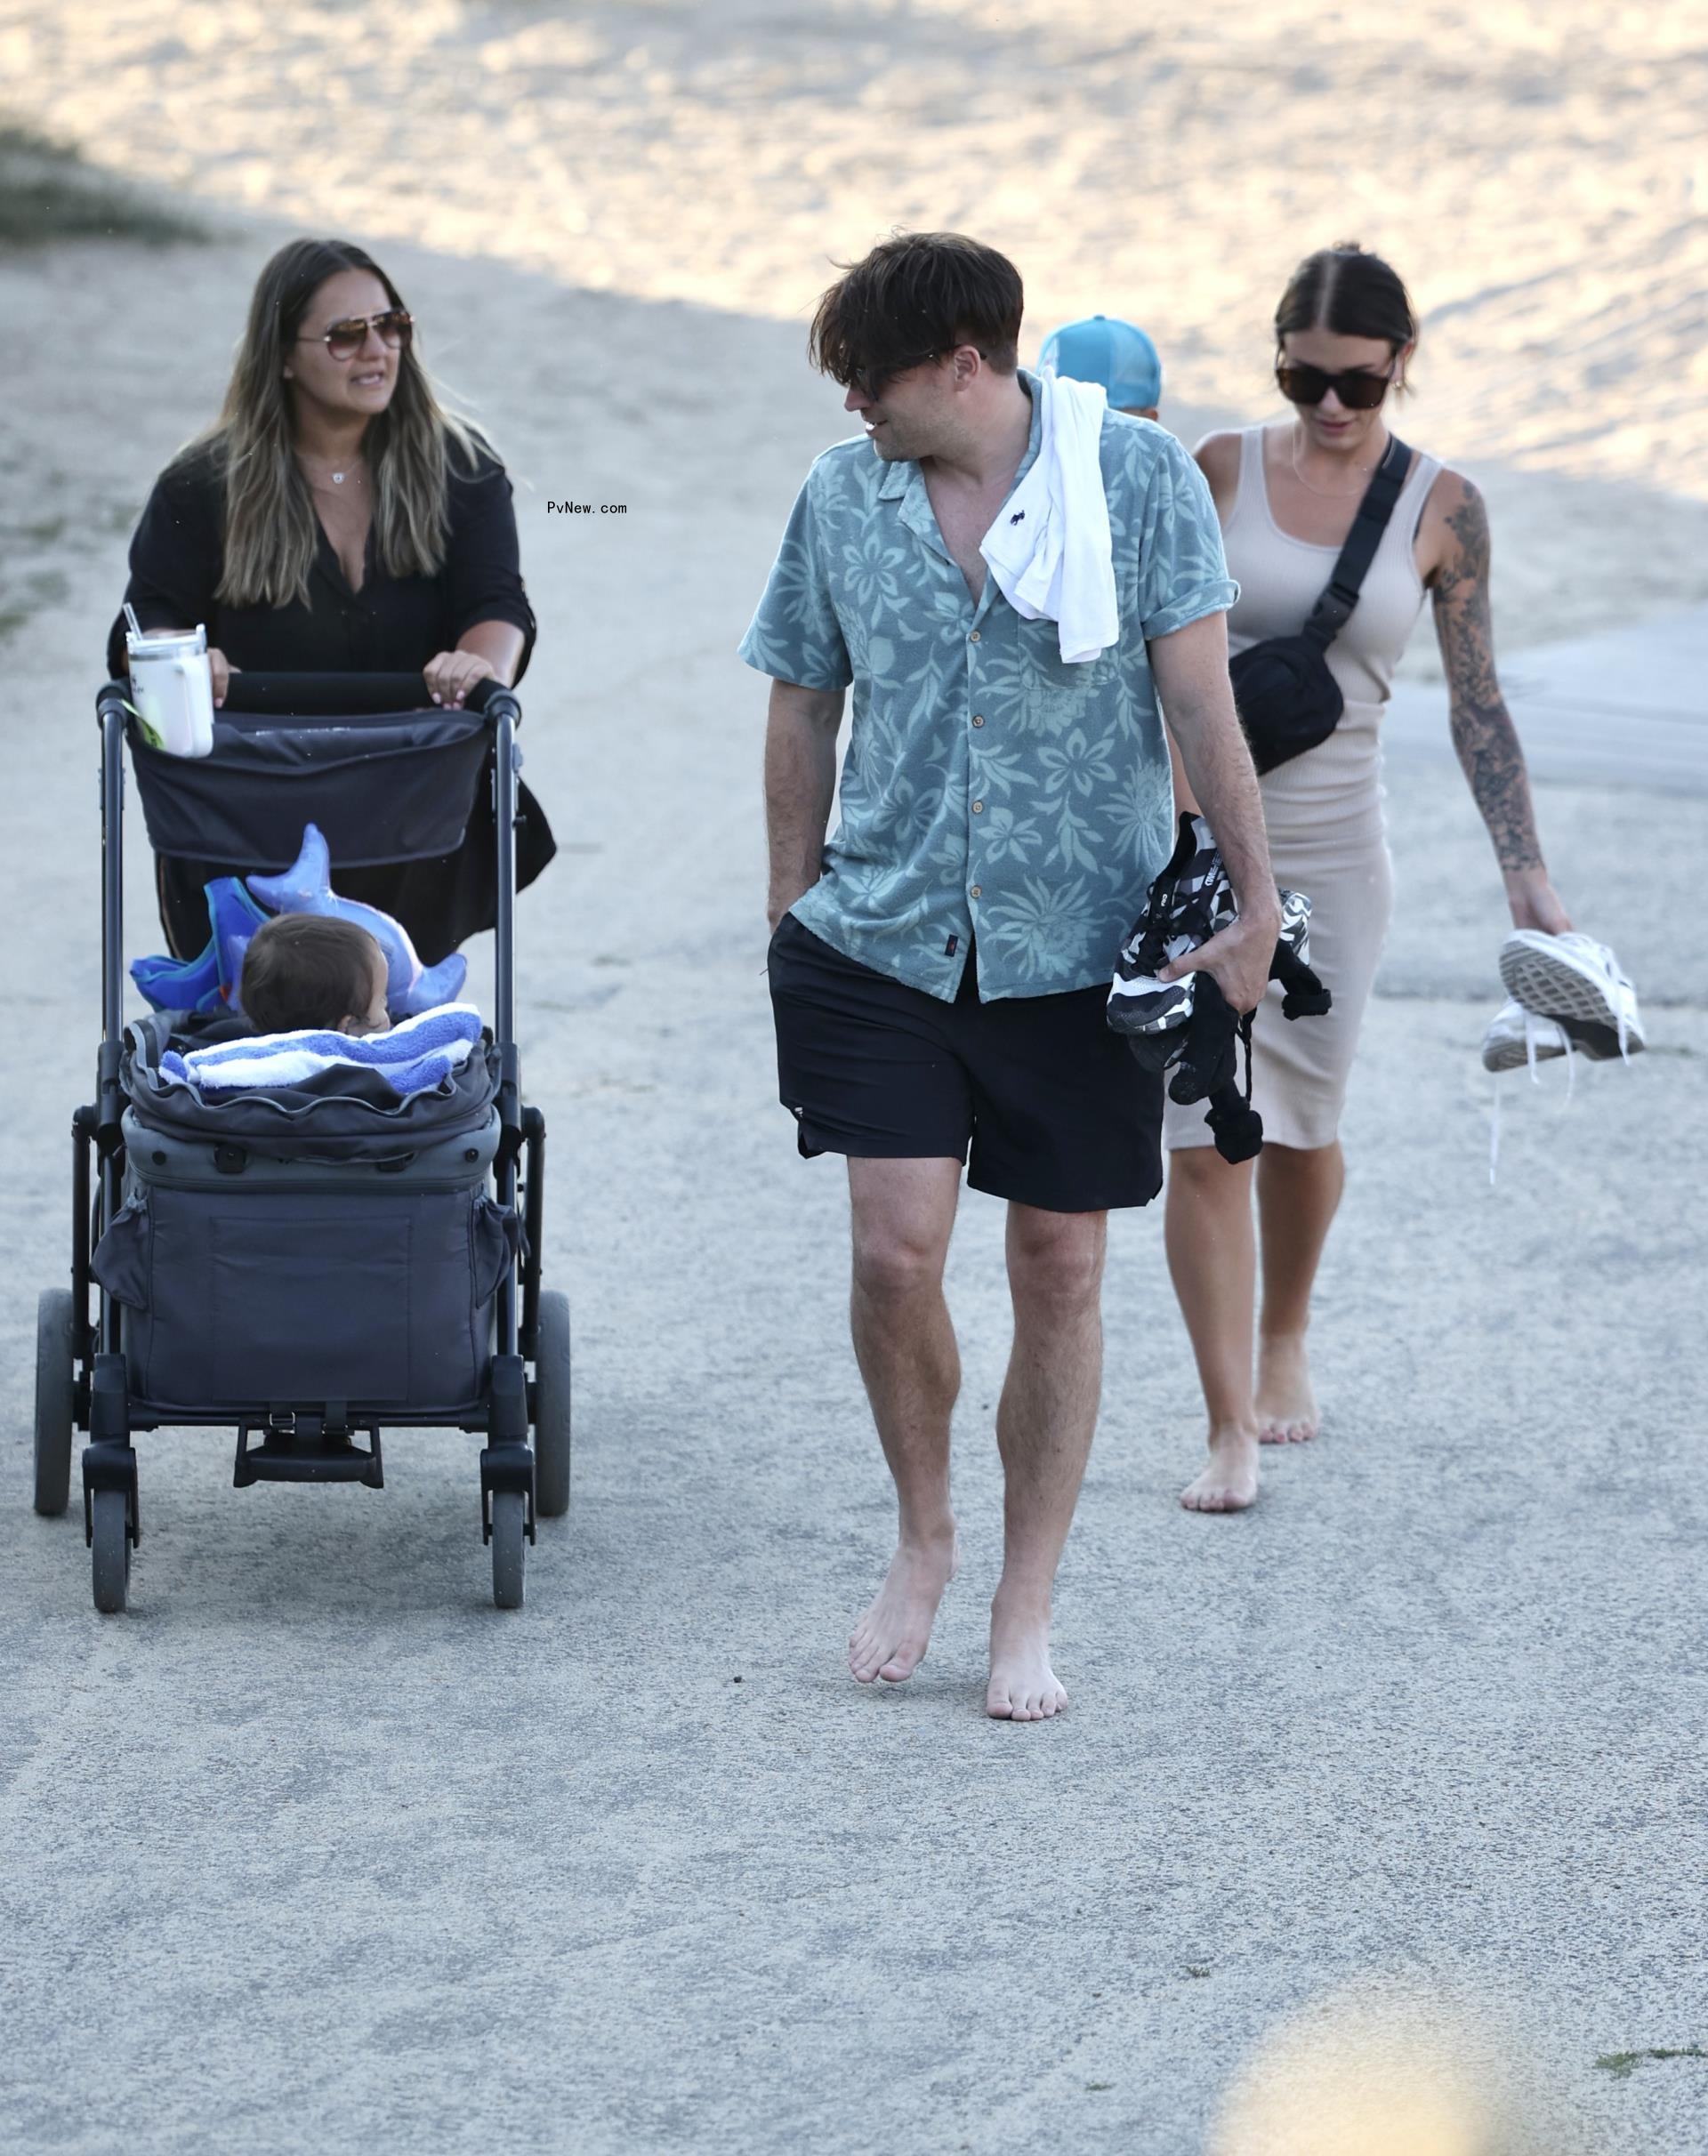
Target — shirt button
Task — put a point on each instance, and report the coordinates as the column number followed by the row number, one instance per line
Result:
column 975, row 891
column 977, row 807
column 973, row 638
column 978, row 719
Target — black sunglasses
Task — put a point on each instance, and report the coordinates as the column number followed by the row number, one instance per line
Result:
column 345, row 339
column 873, row 381
column 1309, row 385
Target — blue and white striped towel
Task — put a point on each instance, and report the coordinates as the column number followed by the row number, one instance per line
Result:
column 416, row 1056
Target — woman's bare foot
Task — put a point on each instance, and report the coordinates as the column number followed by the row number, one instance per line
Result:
column 890, row 1639
column 1023, row 1688
column 1286, row 1407
column 1229, row 1483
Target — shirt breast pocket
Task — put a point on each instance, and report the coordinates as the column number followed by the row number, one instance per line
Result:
column 1056, row 695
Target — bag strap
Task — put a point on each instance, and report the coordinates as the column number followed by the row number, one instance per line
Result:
column 1333, row 609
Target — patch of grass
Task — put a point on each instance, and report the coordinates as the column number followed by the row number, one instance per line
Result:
column 47, row 192
column 40, row 588
column 1621, row 2064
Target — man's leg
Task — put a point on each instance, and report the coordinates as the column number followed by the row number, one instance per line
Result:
column 902, row 1213
column 1044, row 1422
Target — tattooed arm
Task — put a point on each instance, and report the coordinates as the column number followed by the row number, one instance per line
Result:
column 1483, row 733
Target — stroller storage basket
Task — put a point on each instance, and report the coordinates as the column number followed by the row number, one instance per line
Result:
column 255, row 1284
column 384, row 788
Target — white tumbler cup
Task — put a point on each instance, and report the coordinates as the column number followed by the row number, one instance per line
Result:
column 172, row 689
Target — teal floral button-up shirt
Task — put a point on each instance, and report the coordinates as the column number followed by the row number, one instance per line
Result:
column 991, row 795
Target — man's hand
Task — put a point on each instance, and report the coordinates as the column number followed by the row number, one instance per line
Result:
column 1191, row 666
column 779, row 903
column 1239, row 959
column 799, row 780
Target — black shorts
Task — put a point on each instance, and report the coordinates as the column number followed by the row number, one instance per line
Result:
column 1056, row 1112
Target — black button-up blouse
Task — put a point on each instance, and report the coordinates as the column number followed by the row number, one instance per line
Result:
column 394, row 624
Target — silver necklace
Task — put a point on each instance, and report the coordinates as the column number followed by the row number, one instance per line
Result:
column 338, row 478
column 1325, row 494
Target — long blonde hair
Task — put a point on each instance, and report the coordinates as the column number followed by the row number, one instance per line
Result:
column 270, row 527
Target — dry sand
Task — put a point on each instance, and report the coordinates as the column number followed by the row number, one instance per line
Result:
column 1536, row 170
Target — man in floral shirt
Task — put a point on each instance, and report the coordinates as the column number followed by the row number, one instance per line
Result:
column 939, row 968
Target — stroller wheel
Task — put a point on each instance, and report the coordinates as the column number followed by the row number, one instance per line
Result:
column 509, row 1548
column 552, row 1407
column 111, row 1550
column 55, row 1400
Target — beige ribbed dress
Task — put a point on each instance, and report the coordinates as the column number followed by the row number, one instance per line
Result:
column 1327, row 836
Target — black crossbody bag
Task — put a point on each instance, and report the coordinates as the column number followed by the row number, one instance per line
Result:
column 1287, row 699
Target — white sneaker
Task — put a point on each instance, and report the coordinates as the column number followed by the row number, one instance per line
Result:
column 1576, row 982
column 1518, row 1036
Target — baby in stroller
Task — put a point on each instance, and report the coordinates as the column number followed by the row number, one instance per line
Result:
column 305, row 972
column 313, row 992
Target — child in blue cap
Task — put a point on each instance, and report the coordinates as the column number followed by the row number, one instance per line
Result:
column 1117, row 354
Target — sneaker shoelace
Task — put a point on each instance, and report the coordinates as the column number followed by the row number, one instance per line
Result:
column 1533, row 1031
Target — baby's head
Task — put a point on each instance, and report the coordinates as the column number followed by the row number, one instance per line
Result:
column 308, row 972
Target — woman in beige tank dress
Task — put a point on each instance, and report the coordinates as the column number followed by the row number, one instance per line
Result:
column 1286, row 495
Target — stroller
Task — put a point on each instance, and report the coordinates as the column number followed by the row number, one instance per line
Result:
column 311, row 1265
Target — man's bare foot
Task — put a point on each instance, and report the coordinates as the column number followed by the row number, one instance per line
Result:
column 890, row 1639
column 1229, row 1483
column 1023, row 1688
column 1286, row 1407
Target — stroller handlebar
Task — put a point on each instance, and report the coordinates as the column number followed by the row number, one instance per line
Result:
column 311, row 694
column 341, row 695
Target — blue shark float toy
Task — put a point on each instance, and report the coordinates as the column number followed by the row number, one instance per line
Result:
column 306, row 888
column 201, row 984
column 236, row 906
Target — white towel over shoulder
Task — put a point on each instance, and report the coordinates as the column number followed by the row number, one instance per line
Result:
column 1050, row 549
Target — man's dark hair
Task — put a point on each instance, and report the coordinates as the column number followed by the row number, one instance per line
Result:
column 1353, row 294
column 307, row 972
column 914, row 297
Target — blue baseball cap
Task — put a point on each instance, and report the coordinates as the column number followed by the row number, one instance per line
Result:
column 1105, row 349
